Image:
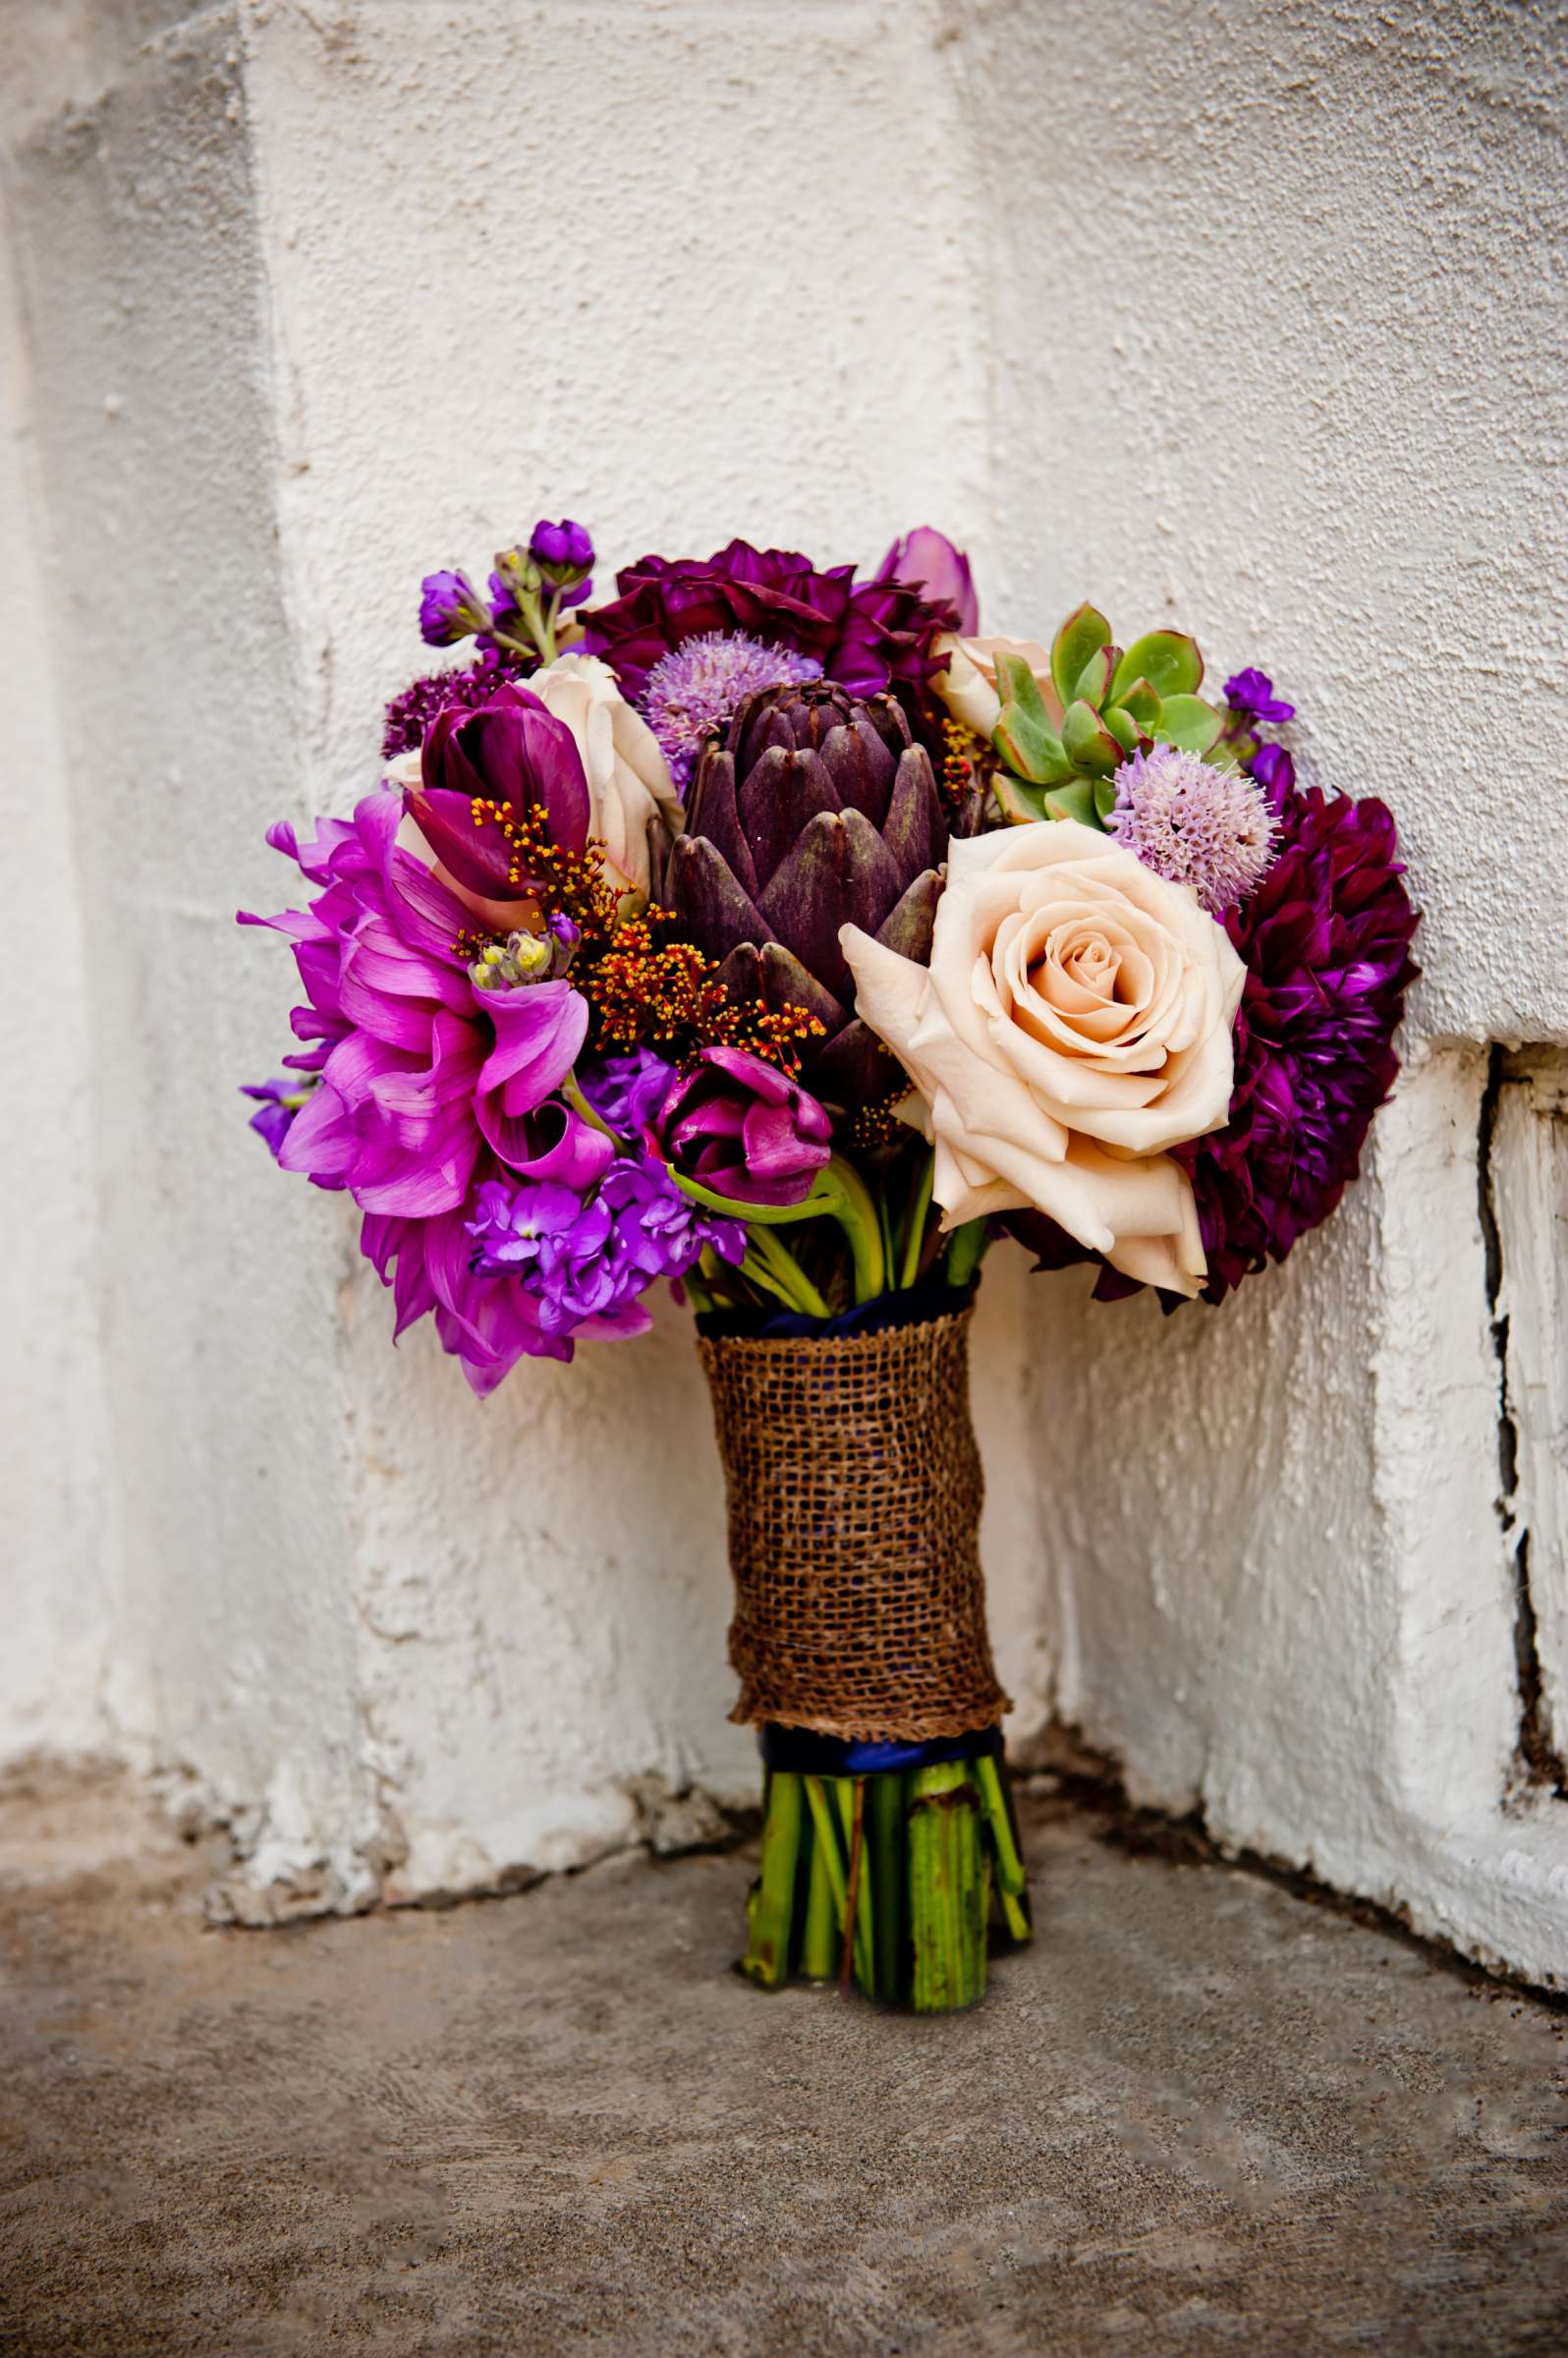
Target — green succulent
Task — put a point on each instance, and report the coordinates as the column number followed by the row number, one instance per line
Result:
column 1112, row 705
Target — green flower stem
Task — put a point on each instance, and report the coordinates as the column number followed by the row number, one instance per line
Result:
column 885, row 1844
column 572, row 1092
column 855, row 1214
column 947, row 1929
column 914, row 1233
column 966, row 1252
column 819, row 1936
column 771, row 1906
column 1012, row 1883
column 787, row 1272
column 850, row 1794
column 839, row 1193
column 826, row 1834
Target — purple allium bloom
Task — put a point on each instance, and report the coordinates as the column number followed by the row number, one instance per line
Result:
column 280, row 1100
column 867, row 635
column 1250, row 693
column 561, row 550
column 450, row 608
column 409, row 715
column 929, row 562
column 1194, row 824
column 628, row 1091
column 696, row 688
column 744, row 1129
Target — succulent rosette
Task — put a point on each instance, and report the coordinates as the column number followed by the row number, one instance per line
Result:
column 817, row 811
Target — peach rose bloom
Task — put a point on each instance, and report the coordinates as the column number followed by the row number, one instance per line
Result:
column 968, row 686
column 1073, row 1025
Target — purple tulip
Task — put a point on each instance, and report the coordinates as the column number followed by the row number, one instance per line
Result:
column 450, row 609
column 504, row 762
column 926, row 560
column 744, row 1129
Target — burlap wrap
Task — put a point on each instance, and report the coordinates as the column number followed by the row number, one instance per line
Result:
column 855, row 1493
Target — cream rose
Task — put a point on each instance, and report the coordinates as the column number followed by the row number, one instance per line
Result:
column 968, row 686
column 627, row 777
column 1073, row 1025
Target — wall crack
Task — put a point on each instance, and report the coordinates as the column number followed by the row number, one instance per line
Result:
column 1539, row 1764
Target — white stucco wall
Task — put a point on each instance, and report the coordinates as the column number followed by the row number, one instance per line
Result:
column 1263, row 341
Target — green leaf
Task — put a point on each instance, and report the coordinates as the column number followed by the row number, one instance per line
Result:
column 1105, row 796
column 1016, row 683
column 1167, row 660
column 1093, row 680
column 1079, row 635
column 1019, row 802
column 1029, row 747
column 1087, row 744
column 1123, row 727
column 1075, row 802
column 1187, row 721
column 1142, row 702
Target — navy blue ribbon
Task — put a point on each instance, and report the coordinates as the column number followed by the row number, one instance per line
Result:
column 802, row 1751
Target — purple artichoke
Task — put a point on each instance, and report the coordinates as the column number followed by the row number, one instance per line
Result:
column 814, row 810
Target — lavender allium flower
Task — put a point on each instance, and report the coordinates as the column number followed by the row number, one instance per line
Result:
column 628, row 1091
column 1194, row 824
column 409, row 716
column 695, row 689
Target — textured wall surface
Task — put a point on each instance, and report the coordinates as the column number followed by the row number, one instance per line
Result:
column 1267, row 342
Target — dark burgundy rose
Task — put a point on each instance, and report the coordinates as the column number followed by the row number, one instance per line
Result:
column 867, row 635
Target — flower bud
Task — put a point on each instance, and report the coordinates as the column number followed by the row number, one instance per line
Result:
column 563, row 552
column 450, row 609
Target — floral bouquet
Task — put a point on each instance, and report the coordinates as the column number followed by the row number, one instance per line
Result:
column 766, row 931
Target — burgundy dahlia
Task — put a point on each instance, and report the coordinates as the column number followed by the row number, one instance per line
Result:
column 865, row 634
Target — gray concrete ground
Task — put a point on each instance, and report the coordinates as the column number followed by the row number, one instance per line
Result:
column 1201, row 2114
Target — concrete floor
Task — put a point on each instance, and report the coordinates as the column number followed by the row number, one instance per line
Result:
column 1201, row 2114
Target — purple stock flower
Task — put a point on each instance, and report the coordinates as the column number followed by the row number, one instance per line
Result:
column 280, row 1100
column 409, row 713
column 927, row 561
column 865, row 634
column 561, row 550
column 744, row 1129
column 450, row 608
column 585, row 1264
column 628, row 1091
column 1250, row 693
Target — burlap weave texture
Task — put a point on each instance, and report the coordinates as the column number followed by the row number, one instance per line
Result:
column 855, row 1488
